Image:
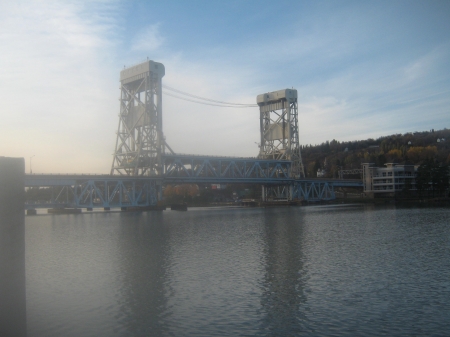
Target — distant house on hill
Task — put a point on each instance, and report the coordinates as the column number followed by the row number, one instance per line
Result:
column 321, row 173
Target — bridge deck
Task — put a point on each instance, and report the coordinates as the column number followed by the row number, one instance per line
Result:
column 48, row 180
column 91, row 191
column 106, row 191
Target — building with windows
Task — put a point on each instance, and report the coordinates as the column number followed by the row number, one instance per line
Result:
column 388, row 181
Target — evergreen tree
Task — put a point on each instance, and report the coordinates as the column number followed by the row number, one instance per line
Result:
column 432, row 178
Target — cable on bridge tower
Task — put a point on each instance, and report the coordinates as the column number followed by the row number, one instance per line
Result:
column 218, row 103
column 204, row 103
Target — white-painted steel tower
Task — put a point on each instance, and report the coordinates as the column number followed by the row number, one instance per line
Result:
column 140, row 140
column 279, row 134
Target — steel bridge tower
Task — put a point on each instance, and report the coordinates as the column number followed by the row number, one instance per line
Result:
column 140, row 140
column 279, row 136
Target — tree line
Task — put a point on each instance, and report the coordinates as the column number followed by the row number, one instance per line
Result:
column 433, row 179
column 409, row 148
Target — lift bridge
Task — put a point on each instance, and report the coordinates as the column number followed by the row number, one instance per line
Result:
column 143, row 162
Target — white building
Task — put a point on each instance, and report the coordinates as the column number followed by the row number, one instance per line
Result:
column 321, row 173
column 389, row 180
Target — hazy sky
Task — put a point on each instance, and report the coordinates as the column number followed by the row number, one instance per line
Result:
column 362, row 69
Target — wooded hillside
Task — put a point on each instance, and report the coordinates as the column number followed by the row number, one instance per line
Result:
column 412, row 148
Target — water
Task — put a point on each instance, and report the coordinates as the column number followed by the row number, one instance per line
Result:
column 305, row 271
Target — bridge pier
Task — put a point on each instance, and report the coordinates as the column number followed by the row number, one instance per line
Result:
column 13, row 320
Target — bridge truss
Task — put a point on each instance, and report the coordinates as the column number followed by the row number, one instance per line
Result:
column 106, row 191
column 141, row 166
column 94, row 191
column 280, row 138
column 140, row 141
column 222, row 169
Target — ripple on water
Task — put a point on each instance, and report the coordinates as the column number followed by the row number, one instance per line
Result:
column 309, row 271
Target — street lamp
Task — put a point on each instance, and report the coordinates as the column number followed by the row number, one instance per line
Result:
column 31, row 171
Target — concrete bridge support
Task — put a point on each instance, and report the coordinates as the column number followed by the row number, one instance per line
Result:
column 12, row 248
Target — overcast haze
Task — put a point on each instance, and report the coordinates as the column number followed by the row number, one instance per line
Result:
column 362, row 69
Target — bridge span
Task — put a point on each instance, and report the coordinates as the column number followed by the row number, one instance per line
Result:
column 107, row 191
column 143, row 162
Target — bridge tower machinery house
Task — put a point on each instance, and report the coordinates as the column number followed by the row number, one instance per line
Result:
column 279, row 137
column 140, row 141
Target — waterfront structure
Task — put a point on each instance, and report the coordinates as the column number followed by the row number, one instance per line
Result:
column 13, row 313
column 279, row 129
column 388, row 181
column 141, row 147
column 279, row 137
column 140, row 141
column 143, row 161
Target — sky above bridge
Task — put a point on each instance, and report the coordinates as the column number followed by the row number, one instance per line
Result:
column 363, row 69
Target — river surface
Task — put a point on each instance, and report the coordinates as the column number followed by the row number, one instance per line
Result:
column 294, row 271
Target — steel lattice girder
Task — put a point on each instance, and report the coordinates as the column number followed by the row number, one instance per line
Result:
column 92, row 191
column 279, row 128
column 95, row 192
column 280, row 192
column 182, row 166
column 314, row 190
column 118, row 193
column 140, row 140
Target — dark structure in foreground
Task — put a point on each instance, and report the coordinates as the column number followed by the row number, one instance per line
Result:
column 12, row 248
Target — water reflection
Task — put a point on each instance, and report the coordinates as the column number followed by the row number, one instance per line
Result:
column 313, row 271
column 142, row 297
column 283, row 298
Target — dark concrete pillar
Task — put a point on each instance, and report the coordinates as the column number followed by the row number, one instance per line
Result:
column 12, row 248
